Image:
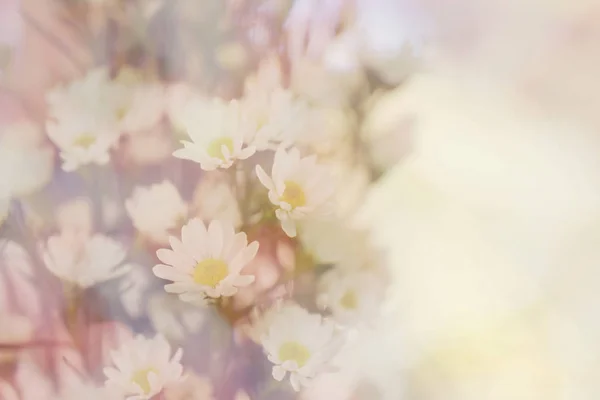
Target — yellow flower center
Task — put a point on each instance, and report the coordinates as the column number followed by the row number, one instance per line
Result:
column 141, row 379
column 293, row 194
column 210, row 272
column 215, row 148
column 122, row 112
column 294, row 351
column 349, row 300
column 85, row 141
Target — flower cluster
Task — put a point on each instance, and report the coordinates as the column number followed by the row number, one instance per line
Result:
column 169, row 203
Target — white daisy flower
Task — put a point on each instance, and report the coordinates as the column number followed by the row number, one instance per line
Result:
column 144, row 367
column 84, row 119
column 206, row 263
column 217, row 134
column 353, row 296
column 298, row 186
column 84, row 262
column 157, row 209
column 299, row 343
column 81, row 141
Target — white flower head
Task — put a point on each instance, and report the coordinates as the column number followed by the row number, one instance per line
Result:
column 144, row 367
column 84, row 119
column 216, row 132
column 206, row 262
column 30, row 163
column 298, row 186
column 84, row 261
column 353, row 296
column 274, row 117
column 300, row 343
column 141, row 105
column 156, row 209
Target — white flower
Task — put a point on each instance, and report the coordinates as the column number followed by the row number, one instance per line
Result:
column 30, row 164
column 353, row 296
column 275, row 117
column 84, row 119
column 217, row 134
column 206, row 263
column 144, row 367
column 156, row 209
column 298, row 186
column 84, row 261
column 300, row 343
column 141, row 105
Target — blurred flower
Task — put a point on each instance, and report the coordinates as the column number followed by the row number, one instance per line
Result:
column 144, row 367
column 353, row 296
column 132, row 288
column 150, row 147
column 274, row 115
column 84, row 119
column 298, row 186
column 300, row 343
column 156, row 210
column 216, row 133
column 206, row 263
column 173, row 318
column 311, row 25
column 178, row 96
column 75, row 217
column 141, row 104
column 214, row 199
column 336, row 241
column 31, row 164
column 194, row 387
column 84, row 262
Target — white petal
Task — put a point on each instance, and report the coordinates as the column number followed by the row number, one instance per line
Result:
column 278, row 373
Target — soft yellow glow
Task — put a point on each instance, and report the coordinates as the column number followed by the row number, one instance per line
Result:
column 141, row 379
column 210, row 272
column 85, row 141
column 294, row 351
column 215, row 147
column 349, row 300
column 293, row 194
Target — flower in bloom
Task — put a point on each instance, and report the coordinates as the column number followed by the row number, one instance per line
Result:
column 298, row 186
column 157, row 209
column 84, row 119
column 216, row 132
column 206, row 262
column 143, row 368
column 299, row 343
column 84, row 261
column 352, row 295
